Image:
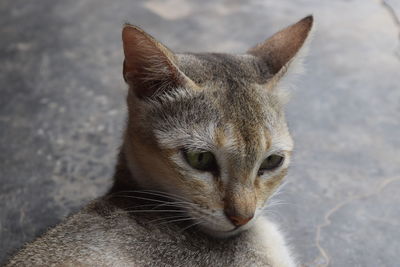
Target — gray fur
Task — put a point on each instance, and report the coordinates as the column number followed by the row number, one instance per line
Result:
column 235, row 93
column 104, row 235
column 175, row 102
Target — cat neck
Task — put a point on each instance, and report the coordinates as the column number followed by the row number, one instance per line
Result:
column 125, row 183
column 123, row 178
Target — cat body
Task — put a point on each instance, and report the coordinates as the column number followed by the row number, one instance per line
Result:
column 102, row 234
column 205, row 147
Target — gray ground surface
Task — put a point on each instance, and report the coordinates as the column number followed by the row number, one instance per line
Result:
column 62, row 112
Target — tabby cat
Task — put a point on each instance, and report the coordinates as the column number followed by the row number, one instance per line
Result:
column 205, row 147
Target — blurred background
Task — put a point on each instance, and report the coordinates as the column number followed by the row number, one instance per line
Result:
column 62, row 112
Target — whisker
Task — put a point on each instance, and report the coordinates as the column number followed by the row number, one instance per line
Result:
column 144, row 198
column 181, row 204
column 274, row 215
column 156, row 193
column 190, row 226
column 166, row 218
column 273, row 204
column 150, row 211
column 177, row 220
column 167, row 194
column 168, row 204
column 153, row 207
column 172, row 204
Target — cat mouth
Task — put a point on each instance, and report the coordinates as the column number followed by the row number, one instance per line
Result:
column 224, row 234
column 218, row 233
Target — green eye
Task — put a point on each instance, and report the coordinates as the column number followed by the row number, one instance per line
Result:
column 270, row 163
column 203, row 161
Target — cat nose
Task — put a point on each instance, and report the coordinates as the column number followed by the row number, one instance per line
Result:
column 238, row 220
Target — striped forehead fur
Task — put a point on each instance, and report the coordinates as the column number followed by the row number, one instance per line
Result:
column 232, row 97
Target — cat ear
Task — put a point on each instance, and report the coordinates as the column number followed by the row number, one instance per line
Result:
column 149, row 67
column 280, row 50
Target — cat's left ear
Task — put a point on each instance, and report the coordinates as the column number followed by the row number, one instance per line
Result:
column 280, row 50
column 149, row 67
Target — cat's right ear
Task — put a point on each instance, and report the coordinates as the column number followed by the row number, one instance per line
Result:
column 149, row 67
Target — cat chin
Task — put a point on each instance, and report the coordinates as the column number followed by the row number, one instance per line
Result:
column 221, row 234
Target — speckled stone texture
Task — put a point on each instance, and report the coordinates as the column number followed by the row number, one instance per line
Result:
column 62, row 113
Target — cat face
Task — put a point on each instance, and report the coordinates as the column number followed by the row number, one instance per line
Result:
column 209, row 129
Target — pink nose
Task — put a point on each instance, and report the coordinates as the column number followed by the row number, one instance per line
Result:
column 239, row 220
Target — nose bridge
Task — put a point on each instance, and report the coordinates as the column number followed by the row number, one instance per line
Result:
column 240, row 201
column 240, row 169
column 240, row 198
column 249, row 140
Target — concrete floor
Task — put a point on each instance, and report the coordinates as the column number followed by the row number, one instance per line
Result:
column 62, row 112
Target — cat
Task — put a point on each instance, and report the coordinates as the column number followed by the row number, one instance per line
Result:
column 205, row 147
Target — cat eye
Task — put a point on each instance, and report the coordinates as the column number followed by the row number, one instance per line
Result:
column 203, row 161
column 270, row 163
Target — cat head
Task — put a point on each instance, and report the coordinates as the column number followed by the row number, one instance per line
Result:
column 209, row 128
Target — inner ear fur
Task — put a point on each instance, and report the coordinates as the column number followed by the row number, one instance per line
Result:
column 281, row 48
column 149, row 67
